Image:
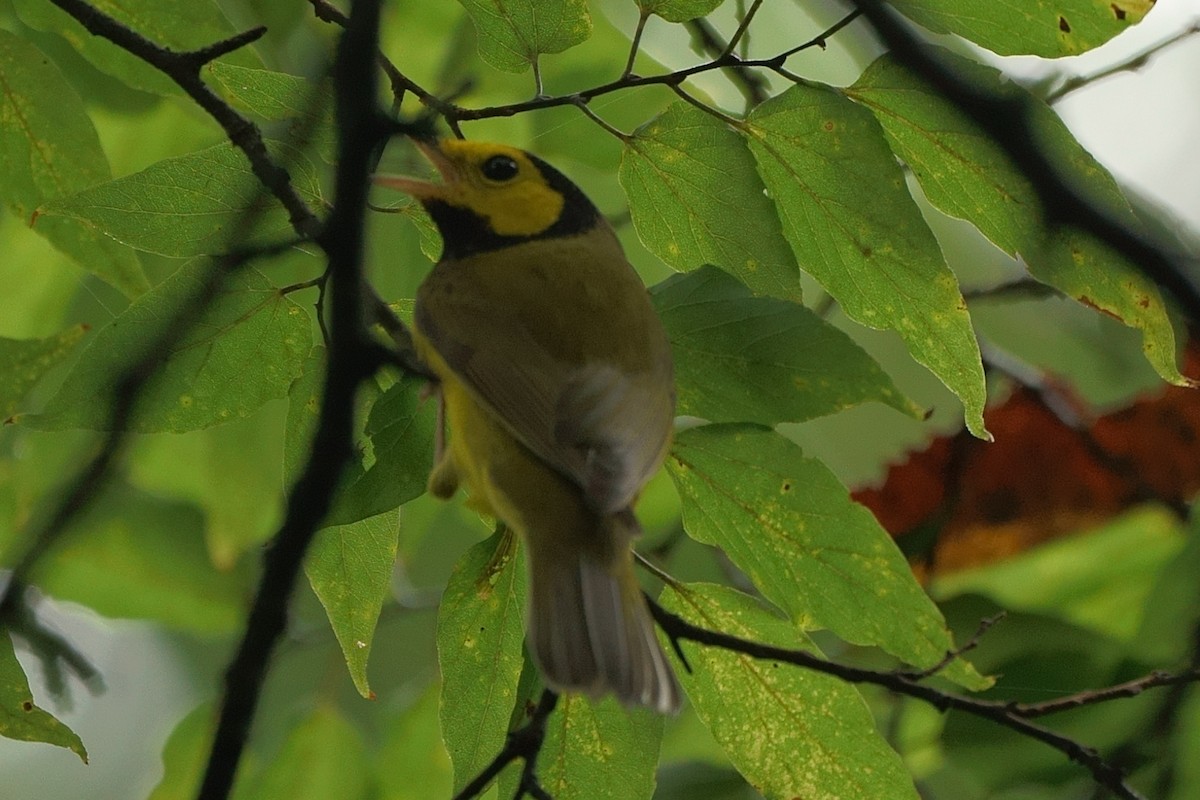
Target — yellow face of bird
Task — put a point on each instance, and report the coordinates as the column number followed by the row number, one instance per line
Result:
column 501, row 185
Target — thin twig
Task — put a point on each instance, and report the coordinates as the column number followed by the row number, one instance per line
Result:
column 524, row 743
column 1128, row 689
column 1006, row 714
column 955, row 654
column 596, row 118
column 752, row 85
column 184, row 69
column 1132, row 63
column 742, row 27
column 643, row 17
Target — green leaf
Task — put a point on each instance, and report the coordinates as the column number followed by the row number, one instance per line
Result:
column 350, row 569
column 1047, row 28
column 20, row 718
column 678, row 10
column 279, row 96
column 401, row 432
column 856, row 229
column 182, row 26
column 23, row 362
column 696, row 198
column 197, row 204
column 790, row 731
column 599, row 750
column 134, row 555
column 513, row 33
column 323, row 757
column 758, row 359
column 788, row 523
column 481, row 639
column 245, row 350
column 50, row 150
column 966, row 175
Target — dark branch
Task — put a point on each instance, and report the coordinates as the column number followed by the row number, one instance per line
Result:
column 753, row 85
column 1010, row 715
column 184, row 69
column 524, row 743
column 362, row 130
column 1128, row 689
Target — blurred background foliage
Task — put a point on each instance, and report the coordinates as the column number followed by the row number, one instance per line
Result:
column 159, row 615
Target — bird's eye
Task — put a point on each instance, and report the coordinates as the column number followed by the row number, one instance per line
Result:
column 500, row 168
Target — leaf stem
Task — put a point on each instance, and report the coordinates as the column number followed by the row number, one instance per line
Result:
column 643, row 17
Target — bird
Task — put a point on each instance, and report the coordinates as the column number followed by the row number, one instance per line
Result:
column 557, row 383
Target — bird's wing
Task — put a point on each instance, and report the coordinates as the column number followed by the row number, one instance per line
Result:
column 602, row 427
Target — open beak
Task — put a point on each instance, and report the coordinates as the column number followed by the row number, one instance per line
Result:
column 420, row 189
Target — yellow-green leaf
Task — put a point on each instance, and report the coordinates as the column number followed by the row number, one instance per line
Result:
column 696, row 198
column 195, row 204
column 244, row 351
column 50, row 150
column 481, row 640
column 1047, row 28
column 20, row 717
column 790, row 731
column 740, row 358
column 350, row 569
column 966, row 175
column 855, row 228
column 513, row 33
column 678, row 10
column 24, row 361
column 179, row 26
column 788, row 523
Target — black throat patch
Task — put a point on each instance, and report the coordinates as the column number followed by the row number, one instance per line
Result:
column 465, row 233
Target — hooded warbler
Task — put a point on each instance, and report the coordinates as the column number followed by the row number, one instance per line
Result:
column 557, row 382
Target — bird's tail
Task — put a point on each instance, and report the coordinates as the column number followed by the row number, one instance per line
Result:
column 590, row 630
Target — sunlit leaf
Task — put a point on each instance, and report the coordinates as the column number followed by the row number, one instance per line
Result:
column 323, row 757
column 24, row 361
column 20, row 718
column 788, row 523
column 856, row 229
column 696, row 198
column 1048, row 28
column 50, row 150
column 131, row 554
column 513, row 33
column 350, row 568
column 965, row 174
column 599, row 750
column 678, row 10
column 187, row 26
column 201, row 203
column 790, row 731
column 244, row 351
column 759, row 359
column 481, row 639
